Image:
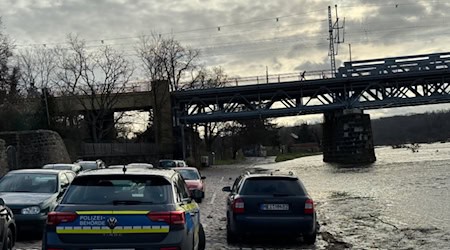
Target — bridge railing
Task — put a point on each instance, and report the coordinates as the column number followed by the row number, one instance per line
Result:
column 278, row 78
column 395, row 65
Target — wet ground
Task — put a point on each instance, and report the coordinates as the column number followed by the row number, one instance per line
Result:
column 400, row 202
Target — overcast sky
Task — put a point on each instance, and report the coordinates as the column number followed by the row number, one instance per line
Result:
column 243, row 37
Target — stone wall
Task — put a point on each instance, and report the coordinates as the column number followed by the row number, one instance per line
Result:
column 36, row 148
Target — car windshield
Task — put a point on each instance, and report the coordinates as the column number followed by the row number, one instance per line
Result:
column 189, row 174
column 167, row 164
column 29, row 182
column 128, row 189
column 272, row 186
column 88, row 165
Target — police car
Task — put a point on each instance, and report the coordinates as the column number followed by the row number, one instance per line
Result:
column 126, row 209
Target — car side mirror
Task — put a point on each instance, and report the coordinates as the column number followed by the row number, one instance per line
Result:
column 197, row 194
column 2, row 202
column 203, row 177
column 226, row 189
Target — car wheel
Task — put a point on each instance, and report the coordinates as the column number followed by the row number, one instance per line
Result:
column 9, row 244
column 199, row 200
column 201, row 238
column 231, row 237
column 310, row 238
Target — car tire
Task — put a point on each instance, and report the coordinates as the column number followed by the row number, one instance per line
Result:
column 9, row 241
column 310, row 238
column 198, row 200
column 231, row 237
column 201, row 238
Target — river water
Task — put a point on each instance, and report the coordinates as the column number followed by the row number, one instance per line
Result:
column 402, row 201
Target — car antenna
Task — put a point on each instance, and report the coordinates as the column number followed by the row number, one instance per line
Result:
column 124, row 169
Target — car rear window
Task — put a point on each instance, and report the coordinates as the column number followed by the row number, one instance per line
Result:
column 189, row 174
column 167, row 164
column 88, row 165
column 272, row 186
column 115, row 190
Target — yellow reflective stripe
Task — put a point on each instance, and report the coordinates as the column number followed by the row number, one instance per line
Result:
column 123, row 230
column 191, row 206
column 112, row 212
column 137, row 231
column 131, row 212
column 84, row 231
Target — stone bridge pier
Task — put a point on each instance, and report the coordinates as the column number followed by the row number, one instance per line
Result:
column 347, row 137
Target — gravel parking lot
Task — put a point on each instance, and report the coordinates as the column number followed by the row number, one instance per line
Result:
column 213, row 214
column 372, row 207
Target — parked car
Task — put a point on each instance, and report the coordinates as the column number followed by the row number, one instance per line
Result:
column 270, row 204
column 194, row 180
column 32, row 193
column 64, row 166
column 90, row 165
column 166, row 163
column 126, row 209
column 8, row 231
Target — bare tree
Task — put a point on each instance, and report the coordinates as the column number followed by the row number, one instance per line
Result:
column 95, row 79
column 38, row 68
column 166, row 59
column 213, row 78
column 9, row 73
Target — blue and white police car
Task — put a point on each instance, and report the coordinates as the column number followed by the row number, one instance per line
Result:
column 126, row 209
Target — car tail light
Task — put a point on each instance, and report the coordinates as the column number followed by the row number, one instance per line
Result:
column 171, row 218
column 309, row 206
column 56, row 218
column 238, row 206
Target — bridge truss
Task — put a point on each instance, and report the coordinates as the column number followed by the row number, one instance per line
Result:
column 369, row 84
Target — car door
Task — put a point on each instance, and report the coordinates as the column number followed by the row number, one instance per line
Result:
column 189, row 206
column 234, row 190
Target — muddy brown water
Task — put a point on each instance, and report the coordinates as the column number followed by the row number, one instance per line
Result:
column 402, row 201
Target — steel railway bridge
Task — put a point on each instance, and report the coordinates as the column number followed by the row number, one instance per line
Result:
column 357, row 86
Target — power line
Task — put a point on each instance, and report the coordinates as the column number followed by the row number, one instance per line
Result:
column 276, row 19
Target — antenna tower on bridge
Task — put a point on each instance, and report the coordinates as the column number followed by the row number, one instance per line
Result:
column 335, row 38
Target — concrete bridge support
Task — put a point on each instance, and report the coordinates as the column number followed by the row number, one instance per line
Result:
column 163, row 119
column 347, row 137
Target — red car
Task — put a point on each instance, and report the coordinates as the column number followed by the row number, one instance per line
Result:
column 193, row 179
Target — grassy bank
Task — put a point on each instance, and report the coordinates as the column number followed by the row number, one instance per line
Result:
column 228, row 161
column 290, row 156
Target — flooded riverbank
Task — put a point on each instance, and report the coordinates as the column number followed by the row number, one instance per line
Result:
column 400, row 202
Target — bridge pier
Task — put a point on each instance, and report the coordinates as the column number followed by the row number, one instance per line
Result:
column 347, row 137
column 163, row 120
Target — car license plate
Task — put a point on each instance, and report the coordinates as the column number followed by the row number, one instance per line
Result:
column 276, row 207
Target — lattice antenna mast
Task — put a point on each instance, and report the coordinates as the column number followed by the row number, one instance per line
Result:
column 334, row 38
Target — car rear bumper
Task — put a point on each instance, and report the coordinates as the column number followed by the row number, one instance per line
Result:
column 30, row 222
column 273, row 225
column 178, row 239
